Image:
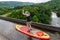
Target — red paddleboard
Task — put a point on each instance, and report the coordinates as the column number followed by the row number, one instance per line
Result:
column 35, row 33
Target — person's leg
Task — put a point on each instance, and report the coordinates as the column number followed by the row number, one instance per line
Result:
column 29, row 25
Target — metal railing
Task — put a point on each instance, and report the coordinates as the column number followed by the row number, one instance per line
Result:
column 34, row 24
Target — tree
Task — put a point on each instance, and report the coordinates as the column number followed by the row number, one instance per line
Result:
column 35, row 18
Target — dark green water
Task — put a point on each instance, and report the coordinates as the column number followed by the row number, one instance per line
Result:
column 7, row 30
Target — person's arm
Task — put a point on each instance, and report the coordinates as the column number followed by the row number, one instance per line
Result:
column 23, row 12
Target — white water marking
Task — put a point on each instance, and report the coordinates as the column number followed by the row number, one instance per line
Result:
column 55, row 20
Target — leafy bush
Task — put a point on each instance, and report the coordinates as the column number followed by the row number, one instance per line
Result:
column 39, row 13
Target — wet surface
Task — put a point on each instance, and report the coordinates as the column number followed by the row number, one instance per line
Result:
column 3, row 37
column 54, row 35
column 7, row 29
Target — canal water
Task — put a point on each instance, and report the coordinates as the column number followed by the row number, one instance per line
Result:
column 8, row 32
column 55, row 20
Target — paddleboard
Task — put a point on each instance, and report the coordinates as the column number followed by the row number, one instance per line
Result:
column 35, row 33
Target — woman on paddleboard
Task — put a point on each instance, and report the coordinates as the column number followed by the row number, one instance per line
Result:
column 28, row 19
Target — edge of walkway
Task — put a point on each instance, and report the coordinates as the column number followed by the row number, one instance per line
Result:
column 36, row 25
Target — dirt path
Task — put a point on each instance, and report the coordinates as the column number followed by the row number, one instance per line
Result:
column 5, row 15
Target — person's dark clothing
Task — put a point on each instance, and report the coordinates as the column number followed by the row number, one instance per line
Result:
column 28, row 18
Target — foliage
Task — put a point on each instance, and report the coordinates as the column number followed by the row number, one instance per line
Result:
column 35, row 18
column 16, row 14
column 4, row 10
column 39, row 13
column 55, row 6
